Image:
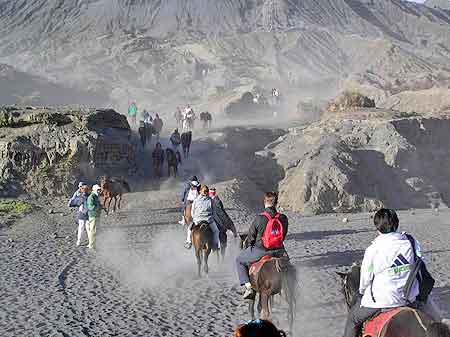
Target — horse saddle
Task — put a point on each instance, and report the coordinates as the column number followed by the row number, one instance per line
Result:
column 376, row 327
column 282, row 264
column 201, row 226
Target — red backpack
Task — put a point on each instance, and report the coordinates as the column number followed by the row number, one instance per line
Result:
column 273, row 234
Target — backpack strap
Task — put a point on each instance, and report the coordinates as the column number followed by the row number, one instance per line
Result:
column 267, row 215
column 414, row 274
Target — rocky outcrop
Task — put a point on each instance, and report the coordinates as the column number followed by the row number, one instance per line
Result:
column 350, row 100
column 344, row 164
column 45, row 151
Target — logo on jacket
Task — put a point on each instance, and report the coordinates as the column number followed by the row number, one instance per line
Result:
column 401, row 264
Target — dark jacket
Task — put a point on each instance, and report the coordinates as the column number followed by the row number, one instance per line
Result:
column 77, row 200
column 221, row 217
column 258, row 227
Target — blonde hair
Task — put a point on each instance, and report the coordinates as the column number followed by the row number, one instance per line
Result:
column 204, row 190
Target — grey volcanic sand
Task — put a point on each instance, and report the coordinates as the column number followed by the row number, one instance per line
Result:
column 142, row 282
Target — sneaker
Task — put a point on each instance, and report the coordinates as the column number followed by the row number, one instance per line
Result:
column 181, row 223
column 188, row 245
column 78, row 243
column 249, row 294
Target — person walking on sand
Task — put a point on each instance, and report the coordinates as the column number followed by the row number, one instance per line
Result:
column 157, row 126
column 94, row 208
column 79, row 199
column 220, row 215
column 132, row 113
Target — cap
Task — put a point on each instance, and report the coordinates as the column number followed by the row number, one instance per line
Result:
column 95, row 188
column 194, row 183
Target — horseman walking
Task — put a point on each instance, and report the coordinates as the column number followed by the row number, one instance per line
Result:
column 221, row 216
column 263, row 242
column 175, row 141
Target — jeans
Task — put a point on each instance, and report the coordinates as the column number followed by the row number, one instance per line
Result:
column 214, row 229
column 356, row 317
column 249, row 256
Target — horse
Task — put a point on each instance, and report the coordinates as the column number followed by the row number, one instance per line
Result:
column 186, row 140
column 173, row 159
column 113, row 188
column 202, row 240
column 269, row 277
column 398, row 322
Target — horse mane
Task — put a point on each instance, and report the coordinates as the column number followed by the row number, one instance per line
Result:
column 353, row 278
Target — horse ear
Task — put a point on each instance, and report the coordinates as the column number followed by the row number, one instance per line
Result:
column 342, row 275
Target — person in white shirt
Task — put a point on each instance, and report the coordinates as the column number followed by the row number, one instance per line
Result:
column 384, row 273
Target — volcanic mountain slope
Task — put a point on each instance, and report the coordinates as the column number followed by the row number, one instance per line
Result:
column 161, row 52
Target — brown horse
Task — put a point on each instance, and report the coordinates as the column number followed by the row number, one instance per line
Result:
column 276, row 276
column 407, row 322
column 173, row 160
column 113, row 188
column 202, row 240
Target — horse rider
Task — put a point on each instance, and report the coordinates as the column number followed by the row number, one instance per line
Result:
column 142, row 130
column 187, row 196
column 385, row 271
column 256, row 234
column 175, row 140
column 157, row 125
column 220, row 215
column 158, row 159
column 202, row 212
column 79, row 199
column 178, row 115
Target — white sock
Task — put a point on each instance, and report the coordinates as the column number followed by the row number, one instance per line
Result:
column 248, row 285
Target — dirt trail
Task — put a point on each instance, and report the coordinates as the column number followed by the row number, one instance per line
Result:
column 142, row 282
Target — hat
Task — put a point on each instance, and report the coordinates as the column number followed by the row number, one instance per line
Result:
column 194, row 183
column 81, row 183
column 95, row 188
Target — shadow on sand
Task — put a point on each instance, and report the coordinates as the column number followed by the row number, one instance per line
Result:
column 319, row 235
column 337, row 259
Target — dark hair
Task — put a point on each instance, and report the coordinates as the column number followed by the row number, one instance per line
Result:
column 386, row 221
column 271, row 198
column 438, row 329
column 258, row 328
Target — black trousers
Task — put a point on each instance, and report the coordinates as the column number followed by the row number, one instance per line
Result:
column 356, row 317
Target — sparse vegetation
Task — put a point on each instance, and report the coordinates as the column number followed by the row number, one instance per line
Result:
column 6, row 119
column 14, row 207
column 350, row 100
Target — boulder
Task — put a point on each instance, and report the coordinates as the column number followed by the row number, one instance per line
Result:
column 46, row 150
column 351, row 165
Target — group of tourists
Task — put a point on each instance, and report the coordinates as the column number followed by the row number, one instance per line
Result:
column 88, row 215
column 206, row 206
column 185, row 118
column 148, row 125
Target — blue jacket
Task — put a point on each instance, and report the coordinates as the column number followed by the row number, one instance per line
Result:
column 78, row 199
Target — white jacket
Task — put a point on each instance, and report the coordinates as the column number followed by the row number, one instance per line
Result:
column 384, row 271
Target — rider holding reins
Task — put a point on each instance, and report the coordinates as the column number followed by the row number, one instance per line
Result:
column 202, row 212
column 262, row 243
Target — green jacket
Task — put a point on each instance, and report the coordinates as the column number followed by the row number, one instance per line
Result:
column 93, row 205
column 132, row 110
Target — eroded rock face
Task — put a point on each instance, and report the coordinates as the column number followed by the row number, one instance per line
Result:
column 345, row 165
column 47, row 151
